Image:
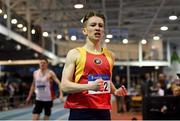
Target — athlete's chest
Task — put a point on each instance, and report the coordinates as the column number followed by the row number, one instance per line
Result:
column 96, row 62
column 42, row 77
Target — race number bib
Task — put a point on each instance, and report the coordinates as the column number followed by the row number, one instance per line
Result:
column 41, row 88
column 106, row 82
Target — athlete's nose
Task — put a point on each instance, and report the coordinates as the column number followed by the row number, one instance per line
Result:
column 97, row 28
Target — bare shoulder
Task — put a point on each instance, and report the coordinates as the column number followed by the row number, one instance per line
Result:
column 51, row 72
column 35, row 72
column 112, row 54
column 73, row 55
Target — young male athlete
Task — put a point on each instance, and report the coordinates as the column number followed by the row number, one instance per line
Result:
column 87, row 74
column 42, row 86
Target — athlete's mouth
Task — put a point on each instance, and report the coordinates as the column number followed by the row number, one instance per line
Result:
column 97, row 34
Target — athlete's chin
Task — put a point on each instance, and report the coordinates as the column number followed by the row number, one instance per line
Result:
column 42, row 68
column 97, row 38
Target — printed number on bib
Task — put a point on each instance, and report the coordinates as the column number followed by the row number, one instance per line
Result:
column 41, row 88
column 106, row 82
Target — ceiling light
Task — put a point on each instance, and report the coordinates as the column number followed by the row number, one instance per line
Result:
column 18, row 47
column 1, row 11
column 19, row 25
column 36, row 55
column 172, row 17
column 5, row 16
column 45, row 34
column 125, row 41
column 156, row 67
column 24, row 29
column 78, row 6
column 73, row 38
column 164, row 28
column 59, row 36
column 156, row 37
column 121, row 67
column 14, row 21
column 33, row 31
column 109, row 36
column 107, row 40
column 143, row 41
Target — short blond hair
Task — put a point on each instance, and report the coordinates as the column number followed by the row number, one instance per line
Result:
column 91, row 14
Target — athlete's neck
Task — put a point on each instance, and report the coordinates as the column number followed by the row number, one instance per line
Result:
column 94, row 47
column 43, row 71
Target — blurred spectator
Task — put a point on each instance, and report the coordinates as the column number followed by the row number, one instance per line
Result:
column 173, row 110
column 163, row 81
column 143, row 83
column 146, row 85
column 1, row 86
column 169, row 91
column 1, row 89
column 176, row 90
column 117, row 84
column 11, row 90
column 160, row 91
column 121, row 106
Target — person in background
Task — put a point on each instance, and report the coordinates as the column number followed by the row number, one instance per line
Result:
column 117, row 84
column 42, row 86
column 176, row 90
column 146, row 85
column 149, row 85
column 160, row 91
column 87, row 74
column 163, row 81
column 120, row 100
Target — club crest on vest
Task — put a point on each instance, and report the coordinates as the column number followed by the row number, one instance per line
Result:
column 97, row 61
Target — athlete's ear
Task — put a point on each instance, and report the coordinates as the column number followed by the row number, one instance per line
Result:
column 84, row 30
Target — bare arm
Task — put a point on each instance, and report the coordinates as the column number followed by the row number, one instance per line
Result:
column 122, row 90
column 113, row 88
column 68, row 85
column 118, row 92
column 31, row 91
column 54, row 77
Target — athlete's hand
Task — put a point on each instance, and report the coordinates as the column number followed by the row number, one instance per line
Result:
column 121, row 91
column 27, row 101
column 61, row 98
column 98, row 85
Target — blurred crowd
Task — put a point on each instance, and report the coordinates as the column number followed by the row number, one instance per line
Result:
column 13, row 91
column 163, row 86
column 145, row 86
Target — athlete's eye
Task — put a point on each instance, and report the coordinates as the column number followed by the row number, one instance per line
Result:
column 101, row 25
column 93, row 24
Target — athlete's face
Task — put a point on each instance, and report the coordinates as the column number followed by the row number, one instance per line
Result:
column 94, row 28
column 43, row 64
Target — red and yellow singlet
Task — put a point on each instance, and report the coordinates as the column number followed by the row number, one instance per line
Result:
column 90, row 67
